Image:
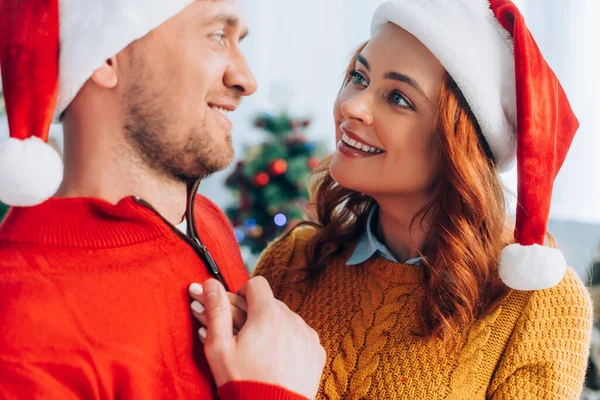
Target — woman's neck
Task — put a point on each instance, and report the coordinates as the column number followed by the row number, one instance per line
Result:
column 395, row 229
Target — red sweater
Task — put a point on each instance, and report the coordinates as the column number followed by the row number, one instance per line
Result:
column 94, row 303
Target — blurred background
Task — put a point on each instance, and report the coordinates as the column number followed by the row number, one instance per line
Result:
column 299, row 51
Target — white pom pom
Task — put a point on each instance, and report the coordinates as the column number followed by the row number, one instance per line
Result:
column 31, row 171
column 531, row 267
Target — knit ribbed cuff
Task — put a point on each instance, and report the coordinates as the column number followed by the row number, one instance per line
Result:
column 247, row 390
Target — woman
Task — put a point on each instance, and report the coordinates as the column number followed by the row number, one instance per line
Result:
column 400, row 272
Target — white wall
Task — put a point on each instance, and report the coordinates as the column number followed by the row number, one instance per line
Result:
column 307, row 44
column 568, row 32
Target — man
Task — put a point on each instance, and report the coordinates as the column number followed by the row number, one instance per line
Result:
column 93, row 281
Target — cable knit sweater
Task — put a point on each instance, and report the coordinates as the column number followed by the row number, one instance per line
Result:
column 534, row 346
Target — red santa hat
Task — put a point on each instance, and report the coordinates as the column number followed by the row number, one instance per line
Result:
column 48, row 50
column 519, row 104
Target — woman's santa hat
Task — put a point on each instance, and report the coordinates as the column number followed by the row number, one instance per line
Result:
column 519, row 104
column 48, row 50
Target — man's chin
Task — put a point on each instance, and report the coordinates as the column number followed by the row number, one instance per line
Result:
column 225, row 158
column 217, row 165
column 203, row 163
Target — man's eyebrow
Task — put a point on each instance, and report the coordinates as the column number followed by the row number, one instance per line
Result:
column 233, row 22
column 230, row 19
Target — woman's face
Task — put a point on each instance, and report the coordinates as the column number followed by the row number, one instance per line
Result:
column 385, row 118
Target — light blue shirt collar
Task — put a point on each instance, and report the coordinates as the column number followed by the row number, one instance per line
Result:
column 369, row 246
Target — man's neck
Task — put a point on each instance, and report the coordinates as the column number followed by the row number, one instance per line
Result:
column 108, row 172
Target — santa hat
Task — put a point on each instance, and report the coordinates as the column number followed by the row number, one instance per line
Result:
column 48, row 50
column 519, row 104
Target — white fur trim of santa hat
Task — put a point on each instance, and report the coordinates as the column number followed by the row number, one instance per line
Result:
column 476, row 51
column 30, row 171
column 91, row 31
column 532, row 267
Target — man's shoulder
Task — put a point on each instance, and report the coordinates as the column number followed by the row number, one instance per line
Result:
column 33, row 312
column 11, row 257
column 35, row 293
column 212, row 223
column 20, row 264
column 205, row 209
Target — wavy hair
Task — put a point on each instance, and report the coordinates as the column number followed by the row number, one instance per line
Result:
column 468, row 228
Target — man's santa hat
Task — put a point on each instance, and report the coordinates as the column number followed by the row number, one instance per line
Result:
column 519, row 104
column 48, row 50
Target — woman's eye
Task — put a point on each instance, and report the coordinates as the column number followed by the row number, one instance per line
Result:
column 398, row 99
column 357, row 78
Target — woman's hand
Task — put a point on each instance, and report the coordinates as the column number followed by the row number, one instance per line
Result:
column 274, row 346
column 239, row 308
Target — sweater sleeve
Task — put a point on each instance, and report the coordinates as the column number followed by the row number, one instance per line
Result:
column 274, row 262
column 247, row 390
column 55, row 380
column 546, row 356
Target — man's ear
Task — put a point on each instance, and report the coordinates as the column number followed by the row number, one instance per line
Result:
column 106, row 76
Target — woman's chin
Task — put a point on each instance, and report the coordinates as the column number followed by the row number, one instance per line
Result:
column 343, row 175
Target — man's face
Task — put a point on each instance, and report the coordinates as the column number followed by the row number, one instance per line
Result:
column 179, row 82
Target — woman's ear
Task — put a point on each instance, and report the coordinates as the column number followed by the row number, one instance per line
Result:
column 106, row 76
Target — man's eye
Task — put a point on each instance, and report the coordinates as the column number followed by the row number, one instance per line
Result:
column 219, row 37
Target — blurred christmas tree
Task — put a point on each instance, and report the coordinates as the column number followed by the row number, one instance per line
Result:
column 270, row 183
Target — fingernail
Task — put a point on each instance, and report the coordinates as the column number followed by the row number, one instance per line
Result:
column 202, row 332
column 196, row 289
column 197, row 307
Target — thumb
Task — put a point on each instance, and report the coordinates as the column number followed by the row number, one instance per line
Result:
column 219, row 325
column 259, row 296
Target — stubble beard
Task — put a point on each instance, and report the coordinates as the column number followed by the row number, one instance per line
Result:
column 194, row 157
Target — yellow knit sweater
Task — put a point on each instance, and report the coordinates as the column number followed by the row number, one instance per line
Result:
column 535, row 346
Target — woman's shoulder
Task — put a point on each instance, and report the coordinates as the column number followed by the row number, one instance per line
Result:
column 291, row 244
column 285, row 253
column 569, row 292
column 303, row 232
column 547, row 340
column 569, row 299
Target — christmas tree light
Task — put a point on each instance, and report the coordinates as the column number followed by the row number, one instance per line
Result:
column 269, row 184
